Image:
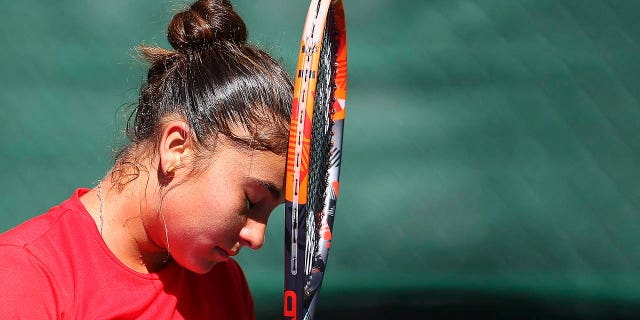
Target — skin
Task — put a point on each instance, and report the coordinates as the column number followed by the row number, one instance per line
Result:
column 209, row 216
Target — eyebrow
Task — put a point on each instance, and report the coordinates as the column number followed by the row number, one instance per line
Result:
column 269, row 186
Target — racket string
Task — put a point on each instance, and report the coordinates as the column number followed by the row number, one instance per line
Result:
column 320, row 158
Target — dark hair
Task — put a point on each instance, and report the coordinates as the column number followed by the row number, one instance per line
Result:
column 213, row 80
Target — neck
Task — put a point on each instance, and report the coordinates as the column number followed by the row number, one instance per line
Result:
column 131, row 227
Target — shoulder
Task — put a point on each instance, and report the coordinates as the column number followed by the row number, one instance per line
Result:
column 227, row 275
column 18, row 263
column 237, row 282
column 222, row 291
column 34, row 266
column 36, row 257
column 43, row 237
column 44, row 233
column 37, row 227
column 26, row 286
column 231, row 271
column 29, row 231
column 232, row 268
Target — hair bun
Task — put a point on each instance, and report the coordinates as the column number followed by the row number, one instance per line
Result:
column 205, row 23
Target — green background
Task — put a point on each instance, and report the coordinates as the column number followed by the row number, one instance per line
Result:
column 490, row 159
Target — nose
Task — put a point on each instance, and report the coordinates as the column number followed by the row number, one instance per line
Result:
column 252, row 234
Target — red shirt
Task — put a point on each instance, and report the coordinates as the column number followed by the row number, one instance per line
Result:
column 56, row 266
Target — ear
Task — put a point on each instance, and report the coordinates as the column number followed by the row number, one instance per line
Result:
column 174, row 146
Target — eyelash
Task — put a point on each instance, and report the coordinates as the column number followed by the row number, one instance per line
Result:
column 248, row 203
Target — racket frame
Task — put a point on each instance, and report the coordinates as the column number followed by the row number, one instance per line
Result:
column 296, row 277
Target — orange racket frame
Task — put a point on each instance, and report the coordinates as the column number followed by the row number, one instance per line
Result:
column 308, row 234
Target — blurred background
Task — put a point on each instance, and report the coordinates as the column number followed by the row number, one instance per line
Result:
column 491, row 150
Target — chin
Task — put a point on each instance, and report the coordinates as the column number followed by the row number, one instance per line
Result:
column 200, row 268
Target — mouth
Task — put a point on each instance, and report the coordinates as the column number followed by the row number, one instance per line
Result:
column 226, row 253
column 232, row 253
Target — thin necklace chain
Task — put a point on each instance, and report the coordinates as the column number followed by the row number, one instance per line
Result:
column 101, row 206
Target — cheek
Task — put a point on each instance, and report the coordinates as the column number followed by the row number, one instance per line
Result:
column 201, row 215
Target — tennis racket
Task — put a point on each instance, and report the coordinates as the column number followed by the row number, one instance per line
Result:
column 313, row 159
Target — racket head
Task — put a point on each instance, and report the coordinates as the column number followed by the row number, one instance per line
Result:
column 314, row 155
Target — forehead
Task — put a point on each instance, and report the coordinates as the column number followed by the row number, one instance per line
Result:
column 244, row 162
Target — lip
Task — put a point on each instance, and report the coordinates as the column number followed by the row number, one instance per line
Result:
column 226, row 253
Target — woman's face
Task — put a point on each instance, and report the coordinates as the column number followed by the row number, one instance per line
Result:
column 212, row 215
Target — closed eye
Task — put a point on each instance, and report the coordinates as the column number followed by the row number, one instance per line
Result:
column 273, row 190
column 249, row 204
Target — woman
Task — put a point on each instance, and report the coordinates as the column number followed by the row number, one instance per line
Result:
column 204, row 169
